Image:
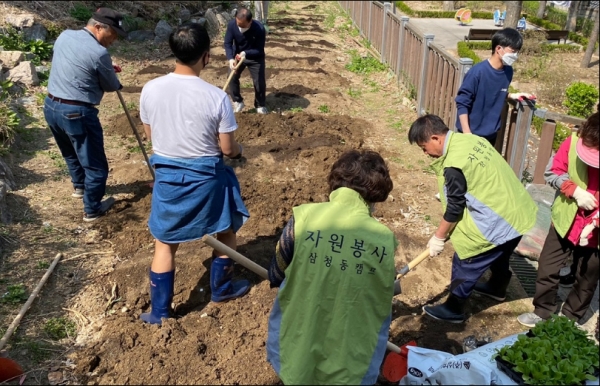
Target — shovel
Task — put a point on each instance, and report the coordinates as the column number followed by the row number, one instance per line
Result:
column 242, row 58
column 407, row 268
column 257, row 269
column 136, row 134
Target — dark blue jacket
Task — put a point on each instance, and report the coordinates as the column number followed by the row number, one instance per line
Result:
column 251, row 41
column 481, row 96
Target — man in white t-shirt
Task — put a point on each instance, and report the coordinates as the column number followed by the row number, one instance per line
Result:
column 191, row 124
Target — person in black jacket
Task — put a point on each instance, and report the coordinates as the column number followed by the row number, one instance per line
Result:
column 247, row 35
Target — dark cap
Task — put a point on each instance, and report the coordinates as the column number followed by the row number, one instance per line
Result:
column 111, row 18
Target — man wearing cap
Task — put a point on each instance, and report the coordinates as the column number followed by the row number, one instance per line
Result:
column 246, row 37
column 574, row 232
column 82, row 71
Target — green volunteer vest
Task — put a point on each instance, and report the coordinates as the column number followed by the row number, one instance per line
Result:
column 336, row 300
column 498, row 209
column 564, row 209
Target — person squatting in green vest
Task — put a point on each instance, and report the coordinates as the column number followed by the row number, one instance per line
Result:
column 574, row 232
column 334, row 266
column 486, row 212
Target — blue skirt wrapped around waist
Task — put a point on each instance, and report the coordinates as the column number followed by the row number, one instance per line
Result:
column 194, row 197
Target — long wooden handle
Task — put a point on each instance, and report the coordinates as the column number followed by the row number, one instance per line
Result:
column 412, row 264
column 137, row 135
column 13, row 326
column 257, row 269
column 235, row 255
column 233, row 72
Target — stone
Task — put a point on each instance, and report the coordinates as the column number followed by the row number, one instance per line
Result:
column 140, row 36
column 184, row 15
column 10, row 59
column 42, row 69
column 222, row 21
column 162, row 31
column 37, row 32
column 226, row 15
column 1, row 72
column 212, row 23
column 24, row 73
column 55, row 377
column 202, row 21
column 20, row 21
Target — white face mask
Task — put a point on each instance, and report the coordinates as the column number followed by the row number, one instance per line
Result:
column 508, row 59
column 242, row 30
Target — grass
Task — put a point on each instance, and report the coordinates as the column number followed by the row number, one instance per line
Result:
column 15, row 294
column 247, row 85
column 60, row 328
column 354, row 93
column 43, row 265
column 296, row 109
column 364, row 64
column 58, row 159
column 324, row 108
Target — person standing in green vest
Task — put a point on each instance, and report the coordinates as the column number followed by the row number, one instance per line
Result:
column 574, row 232
column 334, row 266
column 486, row 212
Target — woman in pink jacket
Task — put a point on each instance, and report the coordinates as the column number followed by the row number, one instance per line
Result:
column 574, row 230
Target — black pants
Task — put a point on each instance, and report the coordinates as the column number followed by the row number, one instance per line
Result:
column 554, row 256
column 257, row 72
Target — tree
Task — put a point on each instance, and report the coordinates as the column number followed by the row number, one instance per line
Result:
column 513, row 13
column 587, row 58
column 572, row 16
column 448, row 6
column 541, row 10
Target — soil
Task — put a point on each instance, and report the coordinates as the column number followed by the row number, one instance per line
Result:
column 102, row 283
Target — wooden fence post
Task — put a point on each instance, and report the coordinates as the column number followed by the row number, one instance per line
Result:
column 516, row 152
column 464, row 65
column 387, row 8
column 370, row 20
column 403, row 22
column 427, row 39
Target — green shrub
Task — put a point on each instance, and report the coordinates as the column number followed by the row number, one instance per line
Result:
column 465, row 52
column 581, row 99
column 439, row 14
column 13, row 40
column 545, row 47
column 81, row 12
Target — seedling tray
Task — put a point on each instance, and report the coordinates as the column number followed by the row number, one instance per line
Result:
column 517, row 377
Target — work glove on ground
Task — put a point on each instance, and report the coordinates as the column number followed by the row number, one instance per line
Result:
column 232, row 64
column 585, row 200
column 436, row 246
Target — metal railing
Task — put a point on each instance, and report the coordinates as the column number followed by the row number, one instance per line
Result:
column 435, row 76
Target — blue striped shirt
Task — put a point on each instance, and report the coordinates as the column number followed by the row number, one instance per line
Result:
column 81, row 68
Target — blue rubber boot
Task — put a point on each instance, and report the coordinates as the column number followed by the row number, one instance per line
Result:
column 161, row 296
column 222, row 286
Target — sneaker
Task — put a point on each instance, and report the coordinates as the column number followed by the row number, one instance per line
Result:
column 77, row 193
column 261, row 110
column 238, row 107
column 104, row 207
column 529, row 319
column 566, row 281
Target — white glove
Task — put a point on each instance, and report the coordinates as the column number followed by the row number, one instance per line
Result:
column 436, row 246
column 521, row 95
column 585, row 200
column 232, row 64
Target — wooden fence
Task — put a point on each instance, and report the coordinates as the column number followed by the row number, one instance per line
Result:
column 435, row 76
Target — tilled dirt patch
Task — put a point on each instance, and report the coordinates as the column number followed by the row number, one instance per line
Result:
column 287, row 159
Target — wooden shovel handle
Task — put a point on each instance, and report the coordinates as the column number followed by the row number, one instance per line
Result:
column 233, row 72
column 413, row 263
column 236, row 256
